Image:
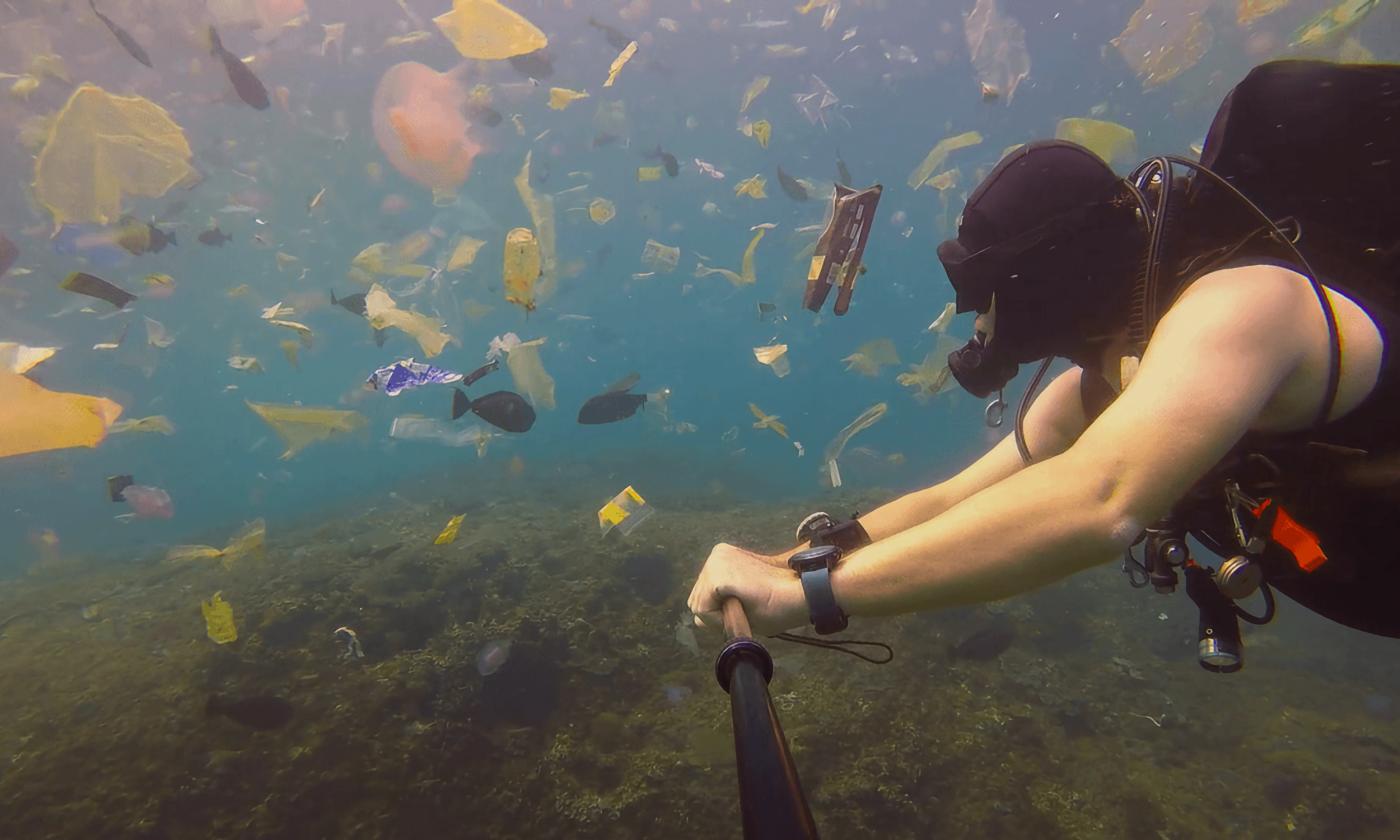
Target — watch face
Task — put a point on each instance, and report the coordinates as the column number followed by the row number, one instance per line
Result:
column 821, row 557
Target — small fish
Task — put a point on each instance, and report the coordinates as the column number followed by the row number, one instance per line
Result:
column 614, row 404
column 791, row 186
column 124, row 38
column 214, row 237
column 505, row 410
column 259, row 712
column 351, row 303
column 249, row 88
column 673, row 168
column 615, row 37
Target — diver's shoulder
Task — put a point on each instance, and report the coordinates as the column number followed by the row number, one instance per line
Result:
column 1260, row 288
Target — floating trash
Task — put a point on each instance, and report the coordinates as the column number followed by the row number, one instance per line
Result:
column 218, row 620
column 492, row 657
column 449, row 532
column 625, row 512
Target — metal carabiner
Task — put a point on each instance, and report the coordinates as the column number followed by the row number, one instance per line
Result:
column 994, row 412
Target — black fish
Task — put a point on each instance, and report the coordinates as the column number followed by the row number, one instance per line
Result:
column 536, row 65
column 614, row 404
column 842, row 173
column 160, row 238
column 616, row 38
column 791, row 186
column 116, row 484
column 123, row 37
column 673, row 168
column 249, row 88
column 502, row 409
column 352, row 303
column 9, row 252
column 985, row 644
column 92, row 286
column 263, row 712
column 215, row 237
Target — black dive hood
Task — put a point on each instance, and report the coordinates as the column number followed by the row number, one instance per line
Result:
column 1051, row 242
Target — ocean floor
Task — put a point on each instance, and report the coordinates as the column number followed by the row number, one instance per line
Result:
column 1077, row 711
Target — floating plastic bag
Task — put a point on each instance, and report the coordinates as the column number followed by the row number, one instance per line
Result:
column 430, row 430
column 601, row 211
column 938, row 154
column 753, row 91
column 300, row 427
column 867, row 418
column 871, row 356
column 625, row 512
column 1115, row 144
column 449, row 533
column 248, row 541
column 17, row 358
column 1332, row 21
column 541, row 209
column 660, row 257
column 997, row 46
column 102, row 148
column 521, row 268
column 148, row 502
column 464, row 253
column 485, row 29
column 35, row 419
column 775, row 357
column 527, row 370
column 218, row 620
column 618, row 63
column 383, row 313
column 1165, row 38
column 561, row 98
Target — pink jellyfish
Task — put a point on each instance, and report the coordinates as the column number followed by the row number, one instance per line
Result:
column 420, row 126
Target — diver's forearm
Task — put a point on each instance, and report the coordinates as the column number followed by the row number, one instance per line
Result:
column 1035, row 527
column 890, row 518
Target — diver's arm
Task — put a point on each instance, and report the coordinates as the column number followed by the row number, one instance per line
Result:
column 1214, row 363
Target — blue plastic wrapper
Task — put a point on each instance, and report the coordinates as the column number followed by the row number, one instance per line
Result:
column 402, row 375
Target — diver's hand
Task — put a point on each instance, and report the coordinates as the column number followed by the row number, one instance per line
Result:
column 771, row 595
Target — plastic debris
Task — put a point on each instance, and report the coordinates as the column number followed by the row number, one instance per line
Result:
column 487, row 30
column 102, row 148
column 1115, row 144
column 932, row 376
column 761, row 131
column 521, row 268
column 618, row 63
column 383, row 313
column 753, row 187
column 351, row 640
column 833, row 451
column 527, row 370
column 945, row 318
column 624, row 512
column 148, row 502
column 815, row 103
column 35, row 419
column 248, row 541
column 299, row 427
column 334, row 35
column 601, row 211
column 1248, row 11
column 775, row 357
column 449, row 532
column 837, row 253
column 1165, row 38
column 218, row 620
column 997, row 46
column 247, row 364
column 431, row 430
column 541, row 210
column 561, row 98
column 649, row 173
column 767, row 421
column 753, row 91
column 938, row 154
column 382, row 260
column 464, row 253
column 1336, row 19
column 291, row 351
column 419, row 124
column 405, row 374
column 746, row 266
column 871, row 356
column 17, row 358
column 156, row 334
column 156, row 424
column 492, row 657
column 93, row 286
column 660, row 257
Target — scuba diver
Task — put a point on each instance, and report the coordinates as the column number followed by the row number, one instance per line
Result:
column 1230, row 324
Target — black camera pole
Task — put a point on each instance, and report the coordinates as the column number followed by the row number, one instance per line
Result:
column 770, row 794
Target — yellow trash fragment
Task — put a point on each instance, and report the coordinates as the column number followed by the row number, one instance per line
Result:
column 1332, row 21
column 702, row 270
column 157, row 424
column 1114, row 143
column 625, row 512
column 291, row 350
column 753, row 187
column 485, row 29
column 464, row 253
column 601, row 211
column 302, row 330
column 871, row 356
column 660, row 257
column 381, row 260
column 541, row 209
column 521, row 268
column 775, row 357
column 932, row 376
column 17, row 358
column 561, row 98
column 746, row 269
column 476, row 310
column 299, row 427
column 449, row 533
column 285, row 260
column 1165, row 38
column 622, row 58
column 649, row 173
column 752, row 92
column 102, row 148
column 35, row 419
column 527, row 370
column 939, row 153
column 1248, row 11
column 383, row 313
column 834, row 449
column 218, row 620
column 768, row 421
column 762, row 131
column 250, row 540
column 245, row 363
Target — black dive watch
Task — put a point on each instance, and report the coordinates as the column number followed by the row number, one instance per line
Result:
column 813, row 567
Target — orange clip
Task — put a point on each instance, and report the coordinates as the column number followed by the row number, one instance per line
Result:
column 1301, row 542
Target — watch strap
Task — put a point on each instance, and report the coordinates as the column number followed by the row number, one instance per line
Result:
column 826, row 615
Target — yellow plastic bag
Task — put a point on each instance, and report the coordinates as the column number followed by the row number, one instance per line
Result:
column 449, row 533
column 218, row 620
column 383, row 313
column 35, row 419
column 1115, row 144
column 624, row 512
column 561, row 98
column 521, row 268
column 527, row 370
column 485, row 29
column 300, row 427
column 939, row 153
